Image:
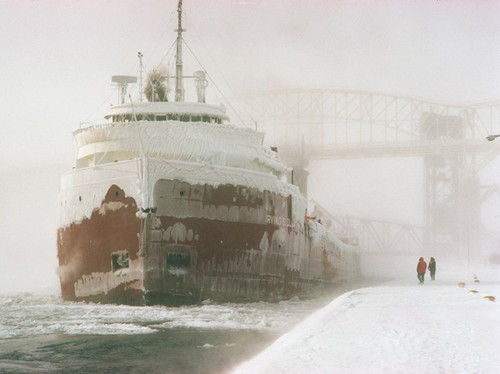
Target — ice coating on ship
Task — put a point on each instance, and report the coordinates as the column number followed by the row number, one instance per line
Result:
column 169, row 203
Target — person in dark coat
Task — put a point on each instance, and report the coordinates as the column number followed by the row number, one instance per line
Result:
column 432, row 268
column 421, row 268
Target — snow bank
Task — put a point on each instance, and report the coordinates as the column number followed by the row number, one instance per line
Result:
column 434, row 328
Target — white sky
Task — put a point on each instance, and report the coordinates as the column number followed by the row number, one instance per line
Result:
column 56, row 59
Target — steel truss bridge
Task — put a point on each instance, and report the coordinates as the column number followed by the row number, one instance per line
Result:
column 317, row 124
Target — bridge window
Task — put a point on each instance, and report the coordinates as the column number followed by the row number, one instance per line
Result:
column 161, row 118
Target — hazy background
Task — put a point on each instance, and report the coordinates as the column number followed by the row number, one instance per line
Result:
column 56, row 59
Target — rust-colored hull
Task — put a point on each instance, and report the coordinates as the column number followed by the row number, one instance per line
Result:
column 228, row 243
column 85, row 248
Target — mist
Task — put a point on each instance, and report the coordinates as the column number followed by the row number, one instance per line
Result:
column 57, row 58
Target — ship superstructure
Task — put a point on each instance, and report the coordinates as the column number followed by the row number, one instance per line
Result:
column 169, row 203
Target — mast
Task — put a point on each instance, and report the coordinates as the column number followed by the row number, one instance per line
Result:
column 179, row 89
column 141, row 68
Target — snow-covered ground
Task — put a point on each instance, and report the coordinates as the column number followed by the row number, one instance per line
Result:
column 396, row 327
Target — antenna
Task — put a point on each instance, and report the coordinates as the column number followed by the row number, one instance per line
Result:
column 122, row 82
column 141, row 70
column 179, row 89
column 201, row 84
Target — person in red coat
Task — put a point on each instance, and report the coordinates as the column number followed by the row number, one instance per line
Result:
column 421, row 268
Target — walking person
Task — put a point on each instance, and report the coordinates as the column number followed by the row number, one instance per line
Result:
column 421, row 267
column 432, row 268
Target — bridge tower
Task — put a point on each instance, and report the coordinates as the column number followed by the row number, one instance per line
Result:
column 451, row 190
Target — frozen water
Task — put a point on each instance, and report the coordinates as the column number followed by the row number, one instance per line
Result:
column 26, row 315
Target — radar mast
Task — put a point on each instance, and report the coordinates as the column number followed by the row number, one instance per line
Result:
column 179, row 89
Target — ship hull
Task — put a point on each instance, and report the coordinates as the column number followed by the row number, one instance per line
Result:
column 222, row 267
column 197, row 242
column 86, row 249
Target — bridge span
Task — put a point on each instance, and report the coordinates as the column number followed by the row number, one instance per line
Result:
column 308, row 125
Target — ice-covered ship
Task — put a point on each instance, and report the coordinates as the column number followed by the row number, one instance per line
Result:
column 168, row 203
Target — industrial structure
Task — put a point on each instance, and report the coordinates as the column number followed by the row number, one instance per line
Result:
column 319, row 124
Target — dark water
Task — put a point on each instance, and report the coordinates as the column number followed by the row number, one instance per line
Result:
column 45, row 334
column 174, row 351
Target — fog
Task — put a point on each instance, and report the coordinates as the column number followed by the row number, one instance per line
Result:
column 57, row 57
